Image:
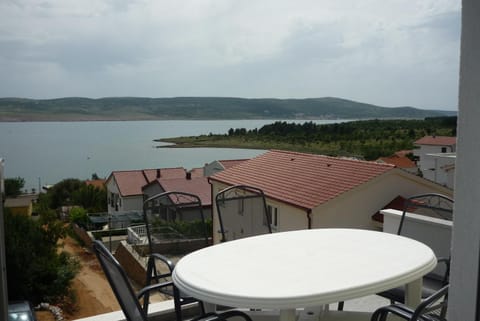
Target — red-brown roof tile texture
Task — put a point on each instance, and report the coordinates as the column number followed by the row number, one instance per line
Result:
column 403, row 153
column 98, row 183
column 130, row 183
column 400, row 162
column 437, row 140
column 302, row 180
column 196, row 172
column 231, row 162
column 196, row 185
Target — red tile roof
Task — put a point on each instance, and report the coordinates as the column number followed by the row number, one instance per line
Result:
column 130, row 183
column 197, row 172
column 400, row 162
column 437, row 140
column 98, row 183
column 231, row 162
column 196, row 185
column 403, row 153
column 303, row 180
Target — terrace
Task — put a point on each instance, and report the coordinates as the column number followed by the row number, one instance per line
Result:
column 429, row 230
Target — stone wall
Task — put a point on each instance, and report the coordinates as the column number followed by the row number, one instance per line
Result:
column 83, row 235
column 133, row 266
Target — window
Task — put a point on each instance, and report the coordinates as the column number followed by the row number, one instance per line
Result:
column 444, row 149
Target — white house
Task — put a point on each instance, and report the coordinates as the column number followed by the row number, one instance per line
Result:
column 197, row 185
column 436, row 156
column 313, row 191
column 124, row 188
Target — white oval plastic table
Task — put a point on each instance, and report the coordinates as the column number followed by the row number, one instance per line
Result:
column 304, row 268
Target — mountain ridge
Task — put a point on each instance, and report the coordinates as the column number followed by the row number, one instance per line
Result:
column 144, row 108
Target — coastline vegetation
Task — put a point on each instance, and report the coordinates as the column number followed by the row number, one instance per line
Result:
column 366, row 139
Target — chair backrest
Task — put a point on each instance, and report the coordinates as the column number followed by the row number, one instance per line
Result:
column 434, row 307
column 430, row 204
column 166, row 213
column 431, row 208
column 242, row 211
column 119, row 282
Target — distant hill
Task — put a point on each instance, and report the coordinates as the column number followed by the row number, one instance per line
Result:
column 135, row 108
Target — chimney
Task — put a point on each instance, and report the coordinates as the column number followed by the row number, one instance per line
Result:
column 158, row 172
column 189, row 175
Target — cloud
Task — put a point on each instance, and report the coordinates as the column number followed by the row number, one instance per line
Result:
column 389, row 53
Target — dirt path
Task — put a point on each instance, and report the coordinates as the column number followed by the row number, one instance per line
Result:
column 93, row 293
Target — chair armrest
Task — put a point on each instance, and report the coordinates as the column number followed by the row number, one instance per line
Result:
column 164, row 259
column 152, row 267
column 146, row 290
column 399, row 310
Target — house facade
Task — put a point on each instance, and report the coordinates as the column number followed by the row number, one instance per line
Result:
column 22, row 204
column 198, row 186
column 313, row 191
column 124, row 188
column 436, row 156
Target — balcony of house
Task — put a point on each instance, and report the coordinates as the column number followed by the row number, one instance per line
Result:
column 434, row 232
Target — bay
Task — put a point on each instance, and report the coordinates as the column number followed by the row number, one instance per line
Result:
column 44, row 153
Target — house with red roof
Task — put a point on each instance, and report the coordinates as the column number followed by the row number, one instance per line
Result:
column 436, row 158
column 97, row 183
column 314, row 191
column 124, row 188
column 197, row 185
column 402, row 162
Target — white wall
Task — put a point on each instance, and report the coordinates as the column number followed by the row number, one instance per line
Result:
column 427, row 163
column 354, row 209
column 112, row 187
column 434, row 232
column 463, row 297
column 289, row 217
column 152, row 189
column 130, row 203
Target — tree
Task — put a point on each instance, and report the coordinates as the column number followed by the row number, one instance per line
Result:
column 92, row 198
column 36, row 270
column 14, row 186
column 79, row 216
column 62, row 192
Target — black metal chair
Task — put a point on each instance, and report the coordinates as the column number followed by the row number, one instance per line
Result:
column 435, row 206
column 158, row 212
column 129, row 301
column 433, row 308
column 242, row 212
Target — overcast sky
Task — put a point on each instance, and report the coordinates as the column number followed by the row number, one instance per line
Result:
column 384, row 52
